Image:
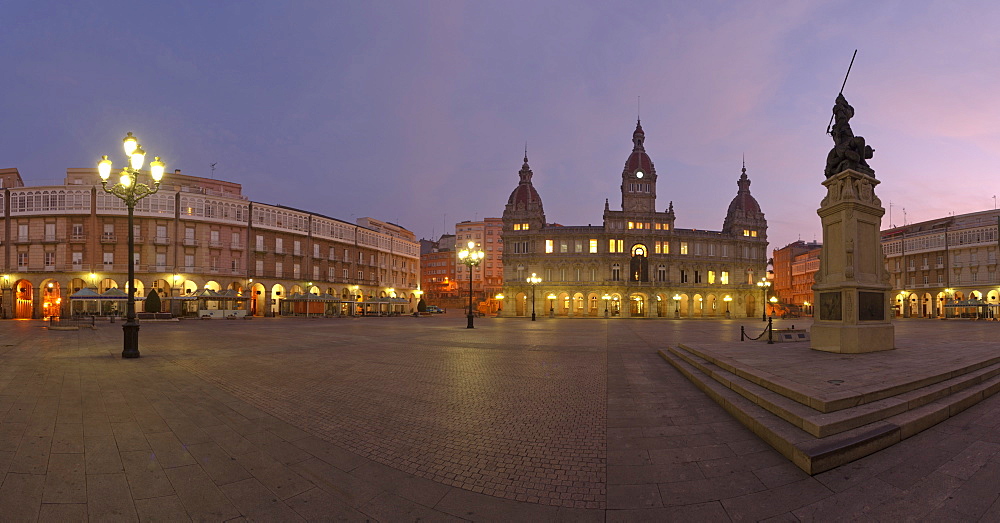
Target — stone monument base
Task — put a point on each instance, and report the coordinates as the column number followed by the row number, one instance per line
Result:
column 852, row 339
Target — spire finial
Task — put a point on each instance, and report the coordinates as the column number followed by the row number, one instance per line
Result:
column 638, row 108
column 526, row 151
column 744, row 163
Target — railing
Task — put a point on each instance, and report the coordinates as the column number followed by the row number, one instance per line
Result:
column 161, row 240
column 77, row 238
column 22, row 239
column 108, row 238
column 769, row 330
column 190, row 242
column 236, row 246
column 215, row 243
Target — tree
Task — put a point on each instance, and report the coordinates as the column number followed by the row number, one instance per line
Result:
column 152, row 301
column 421, row 305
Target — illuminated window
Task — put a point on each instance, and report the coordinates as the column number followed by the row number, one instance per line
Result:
column 711, row 277
column 548, row 246
column 684, row 247
column 517, row 226
column 666, row 226
column 657, row 226
column 593, row 246
column 746, row 232
column 753, row 234
column 631, row 225
column 724, row 278
column 616, row 245
column 524, row 226
column 563, row 248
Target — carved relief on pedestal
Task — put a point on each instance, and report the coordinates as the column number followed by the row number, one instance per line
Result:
column 849, row 267
column 849, row 304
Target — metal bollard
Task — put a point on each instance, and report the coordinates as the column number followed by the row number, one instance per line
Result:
column 770, row 331
column 743, row 334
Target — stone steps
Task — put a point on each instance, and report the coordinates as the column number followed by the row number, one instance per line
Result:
column 818, row 441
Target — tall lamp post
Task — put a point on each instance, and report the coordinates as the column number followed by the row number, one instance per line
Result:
column 533, row 280
column 471, row 258
column 606, row 298
column 727, row 299
column 130, row 191
column 677, row 305
column 764, row 284
column 774, row 301
column 552, row 305
column 4, row 301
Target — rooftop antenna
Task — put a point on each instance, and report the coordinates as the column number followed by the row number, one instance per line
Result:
column 904, row 215
column 638, row 107
column 829, row 125
column 213, row 169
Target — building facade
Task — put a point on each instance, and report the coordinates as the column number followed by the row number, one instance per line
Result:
column 194, row 233
column 487, row 277
column 795, row 267
column 437, row 269
column 637, row 263
column 945, row 267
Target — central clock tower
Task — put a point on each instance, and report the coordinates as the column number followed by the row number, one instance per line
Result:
column 638, row 177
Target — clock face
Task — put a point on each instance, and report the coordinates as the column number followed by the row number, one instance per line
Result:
column 638, row 174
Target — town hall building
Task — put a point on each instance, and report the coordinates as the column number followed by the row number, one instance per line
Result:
column 638, row 263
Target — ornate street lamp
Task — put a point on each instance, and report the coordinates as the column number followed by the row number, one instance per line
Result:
column 677, row 305
column 129, row 190
column 774, row 301
column 500, row 298
column 552, row 305
column 764, row 284
column 533, row 280
column 471, row 258
column 606, row 298
column 727, row 299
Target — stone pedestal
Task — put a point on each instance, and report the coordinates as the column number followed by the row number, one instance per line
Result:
column 852, row 291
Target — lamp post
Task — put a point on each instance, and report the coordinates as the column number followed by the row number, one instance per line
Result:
column 606, row 298
column 471, row 257
column 764, row 284
column 129, row 190
column 499, row 298
column 4, row 301
column 727, row 299
column 774, row 301
column 677, row 305
column 805, row 305
column 533, row 280
column 552, row 305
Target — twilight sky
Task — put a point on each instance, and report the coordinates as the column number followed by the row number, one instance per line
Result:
column 417, row 112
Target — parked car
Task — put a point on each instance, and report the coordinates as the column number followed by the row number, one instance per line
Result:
column 435, row 309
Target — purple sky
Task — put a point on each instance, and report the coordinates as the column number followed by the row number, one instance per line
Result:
column 417, row 112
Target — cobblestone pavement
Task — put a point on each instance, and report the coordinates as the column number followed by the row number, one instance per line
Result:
column 399, row 419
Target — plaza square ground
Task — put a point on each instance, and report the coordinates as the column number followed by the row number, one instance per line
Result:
column 399, row 419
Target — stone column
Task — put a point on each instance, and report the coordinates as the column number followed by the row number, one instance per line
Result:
column 852, row 291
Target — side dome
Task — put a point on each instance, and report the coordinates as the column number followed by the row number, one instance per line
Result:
column 524, row 196
column 744, row 208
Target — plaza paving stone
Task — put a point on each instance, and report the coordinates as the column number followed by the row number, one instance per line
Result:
column 400, row 419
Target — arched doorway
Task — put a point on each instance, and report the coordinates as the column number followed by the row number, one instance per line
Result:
column 750, row 306
column 24, row 294
column 579, row 305
column 711, row 305
column 51, row 299
column 213, row 285
column 520, row 304
column 699, row 306
column 615, row 305
column 277, row 293
column 637, row 306
column 257, row 298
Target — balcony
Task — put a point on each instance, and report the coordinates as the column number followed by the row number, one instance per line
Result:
column 109, row 237
column 158, row 268
column 939, row 266
column 236, row 246
column 332, row 258
column 279, row 250
column 51, row 238
column 22, row 239
column 77, row 238
column 161, row 240
column 260, row 248
column 317, row 256
column 50, row 268
column 137, row 239
column 190, row 242
column 215, row 244
column 76, row 267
